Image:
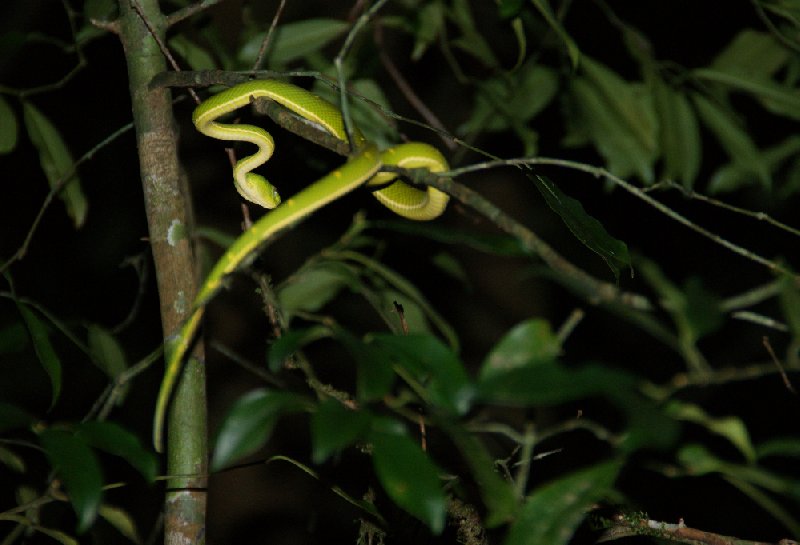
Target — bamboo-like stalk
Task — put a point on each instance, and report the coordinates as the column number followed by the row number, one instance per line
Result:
column 141, row 27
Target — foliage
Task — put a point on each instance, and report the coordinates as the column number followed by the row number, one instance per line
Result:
column 614, row 388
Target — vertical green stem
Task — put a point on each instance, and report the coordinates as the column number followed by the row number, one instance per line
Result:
column 170, row 221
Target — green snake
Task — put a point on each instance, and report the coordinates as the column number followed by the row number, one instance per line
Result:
column 362, row 168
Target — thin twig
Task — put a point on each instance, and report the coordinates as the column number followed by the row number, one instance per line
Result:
column 664, row 209
column 776, row 361
column 56, row 189
column 184, row 13
column 262, row 52
column 161, row 45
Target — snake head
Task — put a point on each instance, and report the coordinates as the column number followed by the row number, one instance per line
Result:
column 256, row 189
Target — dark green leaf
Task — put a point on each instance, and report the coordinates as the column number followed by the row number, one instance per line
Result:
column 790, row 303
column 779, row 446
column 335, row 427
column 248, row 425
column 14, row 418
column 313, row 287
column 471, row 40
column 11, row 460
column 529, row 343
column 703, row 312
column 497, row 493
column 75, row 464
column 494, row 244
column 554, row 510
column 114, row 439
column 122, row 521
column 731, row 427
column 56, row 161
column 290, row 342
column 572, row 49
column 679, row 134
column 753, row 54
column 624, row 153
column 777, row 98
column 44, row 350
column 8, row 127
column 585, row 228
column 432, row 364
column 409, row 477
column 375, row 375
column 294, row 40
column 106, row 352
column 430, row 22
column 733, row 138
column 195, row 56
column 551, row 383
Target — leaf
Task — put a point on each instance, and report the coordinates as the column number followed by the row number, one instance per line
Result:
column 44, row 350
column 409, row 477
column 106, row 352
column 290, row 342
column 375, row 375
column 731, row 428
column 551, row 383
column 621, row 119
column 471, row 40
column 529, row 343
column 625, row 155
column 56, row 161
column 572, row 49
column 293, row 41
column 13, row 417
column 753, row 54
column 313, row 287
column 497, row 493
column 552, row 513
column 733, row 139
column 779, row 446
column 679, row 134
column 432, row 364
column 121, row 520
column 585, row 228
column 114, row 439
column 11, row 460
column 13, row 338
column 789, row 298
column 75, row 464
column 195, row 56
column 778, row 99
column 8, row 127
column 430, row 22
column 249, row 423
column 335, row 427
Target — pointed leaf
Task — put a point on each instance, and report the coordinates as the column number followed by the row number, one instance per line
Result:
column 547, row 13
column 290, row 342
column 431, row 363
column 75, row 464
column 106, row 352
column 114, row 439
column 248, row 425
column 790, row 304
column 121, row 520
column 777, row 98
column 294, row 41
column 553, row 512
column 585, row 228
column 430, row 23
column 8, row 127
column 733, row 138
column 732, row 428
column 313, row 287
column 11, row 460
column 56, row 161
column 409, row 477
column 44, row 350
column 195, row 56
column 679, row 134
column 375, row 376
column 529, row 343
column 335, row 427
column 753, row 54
